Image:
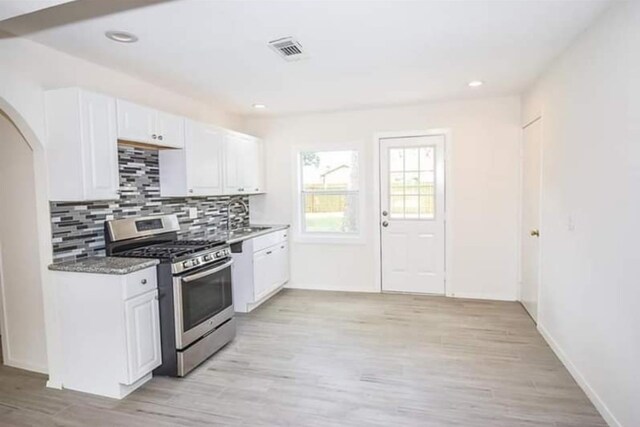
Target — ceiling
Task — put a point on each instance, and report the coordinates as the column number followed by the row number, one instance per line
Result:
column 12, row 8
column 360, row 53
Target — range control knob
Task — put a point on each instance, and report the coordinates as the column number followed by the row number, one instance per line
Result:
column 186, row 264
column 207, row 257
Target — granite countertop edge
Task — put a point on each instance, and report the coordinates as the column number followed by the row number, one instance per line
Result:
column 272, row 228
column 105, row 265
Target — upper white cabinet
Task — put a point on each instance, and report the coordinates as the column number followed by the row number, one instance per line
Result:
column 82, row 146
column 243, row 172
column 138, row 123
column 197, row 169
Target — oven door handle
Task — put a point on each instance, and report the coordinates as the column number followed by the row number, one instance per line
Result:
column 207, row 273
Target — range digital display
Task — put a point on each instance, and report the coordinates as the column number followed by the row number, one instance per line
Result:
column 149, row 224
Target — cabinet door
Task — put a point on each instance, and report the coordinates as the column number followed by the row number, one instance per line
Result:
column 170, row 130
column 99, row 146
column 204, row 147
column 136, row 123
column 232, row 170
column 252, row 165
column 143, row 335
column 283, row 263
column 263, row 273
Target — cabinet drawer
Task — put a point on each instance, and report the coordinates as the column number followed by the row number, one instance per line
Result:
column 263, row 242
column 140, row 282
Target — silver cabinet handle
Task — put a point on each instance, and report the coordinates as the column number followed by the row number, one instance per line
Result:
column 268, row 252
column 154, row 136
column 143, row 281
column 385, row 213
column 156, row 297
column 191, row 190
column 160, row 137
column 385, row 223
column 206, row 273
column 257, row 189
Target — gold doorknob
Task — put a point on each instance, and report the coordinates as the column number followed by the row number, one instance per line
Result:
column 535, row 233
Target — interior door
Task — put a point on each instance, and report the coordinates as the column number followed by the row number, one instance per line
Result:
column 412, row 201
column 530, row 252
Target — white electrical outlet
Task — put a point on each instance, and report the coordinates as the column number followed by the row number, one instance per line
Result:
column 193, row 213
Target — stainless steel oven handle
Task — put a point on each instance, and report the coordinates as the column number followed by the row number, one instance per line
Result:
column 207, row 272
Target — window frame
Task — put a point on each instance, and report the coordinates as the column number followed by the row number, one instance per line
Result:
column 300, row 233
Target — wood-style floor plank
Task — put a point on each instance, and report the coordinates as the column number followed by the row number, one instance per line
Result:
column 310, row 358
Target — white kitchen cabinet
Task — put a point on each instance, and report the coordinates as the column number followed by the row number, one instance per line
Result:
column 197, row 169
column 260, row 269
column 141, row 124
column 82, row 145
column 243, row 164
column 143, row 335
column 110, row 330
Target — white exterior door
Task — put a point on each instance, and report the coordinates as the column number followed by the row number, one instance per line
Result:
column 412, row 174
column 530, row 252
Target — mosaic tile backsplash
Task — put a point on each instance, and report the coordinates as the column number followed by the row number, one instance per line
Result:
column 78, row 228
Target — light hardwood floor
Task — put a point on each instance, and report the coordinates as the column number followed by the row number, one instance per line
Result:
column 340, row 359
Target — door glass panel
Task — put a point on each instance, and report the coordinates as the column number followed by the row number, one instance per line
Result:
column 397, row 207
column 411, row 209
column 412, row 175
column 411, row 161
column 396, row 182
column 411, row 183
column 396, row 159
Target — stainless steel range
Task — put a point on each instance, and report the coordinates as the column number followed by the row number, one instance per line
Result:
column 194, row 283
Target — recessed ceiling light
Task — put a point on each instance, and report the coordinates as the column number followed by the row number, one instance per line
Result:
column 121, row 36
column 476, row 83
column 259, row 106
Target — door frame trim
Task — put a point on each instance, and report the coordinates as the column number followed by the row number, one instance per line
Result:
column 449, row 289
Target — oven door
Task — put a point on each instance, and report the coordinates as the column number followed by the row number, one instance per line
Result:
column 202, row 301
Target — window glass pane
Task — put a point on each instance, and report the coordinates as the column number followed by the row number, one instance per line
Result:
column 330, row 213
column 411, row 183
column 396, row 159
column 427, row 182
column 329, row 170
column 411, row 207
column 397, row 206
column 411, row 159
column 396, row 183
column 427, row 208
column 426, row 158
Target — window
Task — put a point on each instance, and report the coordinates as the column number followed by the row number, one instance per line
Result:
column 330, row 198
column 412, row 182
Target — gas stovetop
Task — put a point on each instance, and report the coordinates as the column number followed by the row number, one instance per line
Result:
column 171, row 250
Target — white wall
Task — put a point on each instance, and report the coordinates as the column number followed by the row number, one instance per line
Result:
column 486, row 148
column 28, row 69
column 590, row 285
column 20, row 283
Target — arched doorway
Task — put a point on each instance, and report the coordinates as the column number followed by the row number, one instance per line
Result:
column 22, row 316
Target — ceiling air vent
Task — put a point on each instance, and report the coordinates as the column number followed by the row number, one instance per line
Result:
column 288, row 48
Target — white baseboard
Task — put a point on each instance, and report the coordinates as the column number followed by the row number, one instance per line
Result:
column 321, row 287
column 483, row 296
column 27, row 366
column 580, row 379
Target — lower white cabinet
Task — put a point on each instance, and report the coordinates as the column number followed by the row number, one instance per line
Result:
column 110, row 330
column 260, row 269
column 143, row 335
